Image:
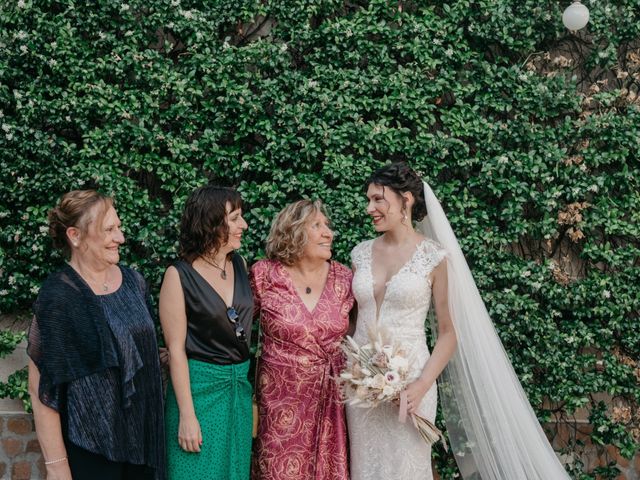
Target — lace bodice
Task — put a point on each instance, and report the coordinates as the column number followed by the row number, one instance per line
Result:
column 407, row 297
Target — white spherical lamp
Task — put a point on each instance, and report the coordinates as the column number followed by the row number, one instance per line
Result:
column 576, row 16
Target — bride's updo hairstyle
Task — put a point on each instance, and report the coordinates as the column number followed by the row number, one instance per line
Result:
column 400, row 178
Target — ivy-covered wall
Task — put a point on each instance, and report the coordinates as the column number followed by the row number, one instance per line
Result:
column 528, row 134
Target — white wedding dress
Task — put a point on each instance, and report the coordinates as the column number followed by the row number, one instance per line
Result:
column 381, row 447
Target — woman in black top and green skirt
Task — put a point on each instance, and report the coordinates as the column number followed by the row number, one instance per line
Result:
column 206, row 309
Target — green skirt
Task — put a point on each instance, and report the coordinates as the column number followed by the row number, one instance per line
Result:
column 222, row 401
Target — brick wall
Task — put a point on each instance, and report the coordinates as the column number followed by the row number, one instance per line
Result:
column 20, row 457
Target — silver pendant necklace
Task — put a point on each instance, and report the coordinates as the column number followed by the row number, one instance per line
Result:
column 223, row 270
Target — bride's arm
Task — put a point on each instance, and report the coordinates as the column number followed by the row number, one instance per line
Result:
column 445, row 345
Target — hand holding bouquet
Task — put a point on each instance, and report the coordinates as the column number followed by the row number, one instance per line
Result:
column 378, row 372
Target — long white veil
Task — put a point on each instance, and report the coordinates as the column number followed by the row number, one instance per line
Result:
column 493, row 430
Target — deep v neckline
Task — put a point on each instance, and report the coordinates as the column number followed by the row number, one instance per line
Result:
column 297, row 294
column 211, row 287
column 391, row 278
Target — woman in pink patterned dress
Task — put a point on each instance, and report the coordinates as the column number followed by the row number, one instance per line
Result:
column 303, row 298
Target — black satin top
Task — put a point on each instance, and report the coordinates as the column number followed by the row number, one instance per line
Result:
column 211, row 337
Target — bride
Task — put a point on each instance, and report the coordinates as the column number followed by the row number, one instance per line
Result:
column 492, row 429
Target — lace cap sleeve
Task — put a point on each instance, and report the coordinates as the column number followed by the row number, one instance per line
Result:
column 434, row 254
column 357, row 254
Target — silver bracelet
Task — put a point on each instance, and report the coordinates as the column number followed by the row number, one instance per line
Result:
column 57, row 460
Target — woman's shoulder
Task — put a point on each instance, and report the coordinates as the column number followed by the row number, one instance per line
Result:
column 263, row 267
column 361, row 247
column 433, row 252
column 431, row 244
column 363, row 244
column 131, row 272
column 340, row 269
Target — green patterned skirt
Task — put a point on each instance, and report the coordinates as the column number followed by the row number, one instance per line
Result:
column 222, row 401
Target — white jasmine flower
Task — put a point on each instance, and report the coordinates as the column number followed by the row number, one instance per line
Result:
column 225, row 45
column 245, row 165
column 188, row 14
column 6, row 127
column 312, row 83
column 34, row 290
column 348, row 33
column 124, row 7
column 44, row 229
column 12, row 280
column 593, row 188
column 21, row 4
column 284, row 47
column 9, row 136
column 21, row 35
column 502, row 159
column 525, row 274
column 4, row 293
column 102, row 35
column 52, row 62
column 175, row 3
column 449, row 52
column 24, row 49
column 606, row 294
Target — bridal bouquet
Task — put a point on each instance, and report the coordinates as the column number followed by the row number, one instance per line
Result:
column 378, row 372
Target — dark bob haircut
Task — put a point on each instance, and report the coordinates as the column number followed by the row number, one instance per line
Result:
column 203, row 228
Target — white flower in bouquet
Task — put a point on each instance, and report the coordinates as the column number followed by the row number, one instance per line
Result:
column 378, row 381
column 388, row 390
column 399, row 363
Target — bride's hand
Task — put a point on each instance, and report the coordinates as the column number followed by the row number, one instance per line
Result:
column 415, row 393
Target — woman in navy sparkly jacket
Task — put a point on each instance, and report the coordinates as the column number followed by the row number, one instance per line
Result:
column 94, row 373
